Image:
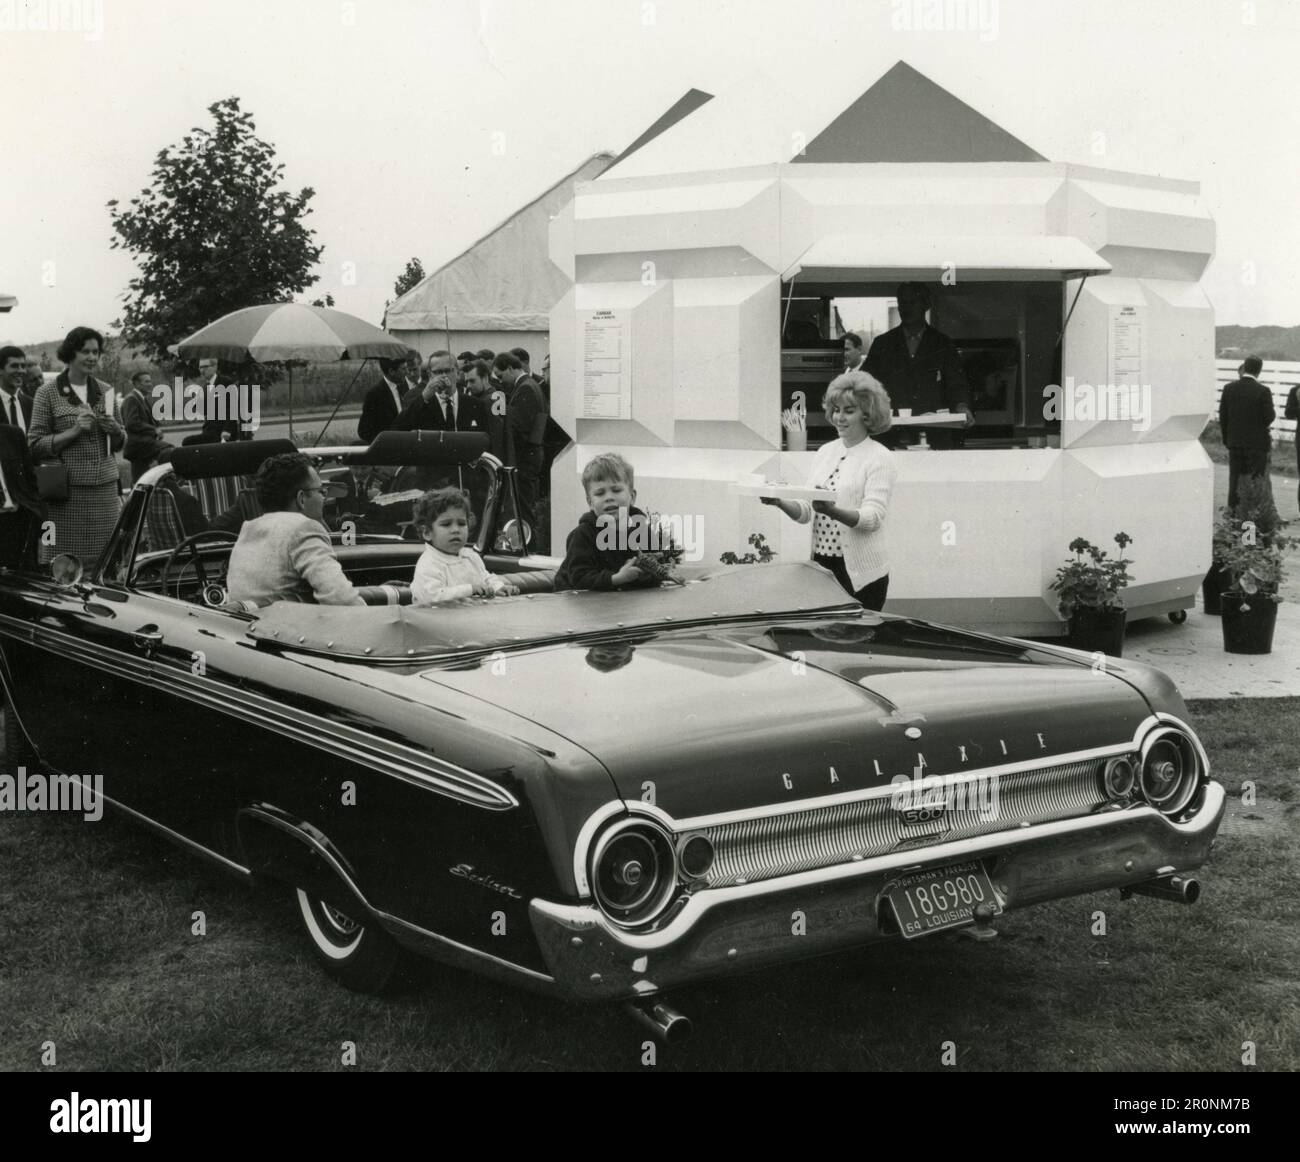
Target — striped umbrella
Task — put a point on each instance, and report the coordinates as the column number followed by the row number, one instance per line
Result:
column 282, row 332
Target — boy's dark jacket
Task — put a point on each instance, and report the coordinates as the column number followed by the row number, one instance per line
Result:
column 588, row 567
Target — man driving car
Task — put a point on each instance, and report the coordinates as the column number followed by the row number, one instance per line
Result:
column 285, row 554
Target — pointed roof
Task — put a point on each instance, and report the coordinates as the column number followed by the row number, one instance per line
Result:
column 906, row 117
column 683, row 107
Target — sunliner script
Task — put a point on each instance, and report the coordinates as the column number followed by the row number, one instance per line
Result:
column 466, row 872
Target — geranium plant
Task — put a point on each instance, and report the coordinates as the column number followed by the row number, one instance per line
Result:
column 763, row 552
column 1092, row 579
column 1249, row 543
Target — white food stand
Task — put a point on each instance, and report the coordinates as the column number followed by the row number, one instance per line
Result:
column 668, row 348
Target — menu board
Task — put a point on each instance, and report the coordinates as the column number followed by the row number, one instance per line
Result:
column 1125, row 346
column 606, row 366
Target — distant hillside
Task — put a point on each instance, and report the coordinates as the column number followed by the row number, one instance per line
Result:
column 1266, row 342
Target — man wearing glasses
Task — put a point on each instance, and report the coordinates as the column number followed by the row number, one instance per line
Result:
column 285, row 554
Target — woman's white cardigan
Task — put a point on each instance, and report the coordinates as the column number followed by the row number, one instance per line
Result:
column 865, row 485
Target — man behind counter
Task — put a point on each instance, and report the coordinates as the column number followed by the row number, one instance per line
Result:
column 920, row 369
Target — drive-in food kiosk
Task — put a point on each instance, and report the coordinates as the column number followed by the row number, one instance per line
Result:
column 702, row 302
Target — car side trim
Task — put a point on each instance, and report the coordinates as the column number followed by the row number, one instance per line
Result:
column 336, row 738
column 441, row 947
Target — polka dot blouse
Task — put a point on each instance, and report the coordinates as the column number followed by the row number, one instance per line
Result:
column 828, row 538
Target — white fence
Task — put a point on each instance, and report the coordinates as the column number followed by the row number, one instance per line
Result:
column 1278, row 377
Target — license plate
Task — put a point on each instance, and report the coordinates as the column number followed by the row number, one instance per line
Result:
column 945, row 897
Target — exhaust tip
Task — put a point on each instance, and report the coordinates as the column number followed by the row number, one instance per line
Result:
column 1176, row 889
column 668, row 1026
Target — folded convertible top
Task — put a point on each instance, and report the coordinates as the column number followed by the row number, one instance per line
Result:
column 481, row 624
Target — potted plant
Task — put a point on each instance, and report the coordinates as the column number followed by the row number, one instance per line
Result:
column 1248, row 540
column 1089, row 586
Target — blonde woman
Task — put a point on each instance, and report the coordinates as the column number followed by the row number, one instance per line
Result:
column 848, row 533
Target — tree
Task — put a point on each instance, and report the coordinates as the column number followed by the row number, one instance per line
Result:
column 413, row 274
column 211, row 233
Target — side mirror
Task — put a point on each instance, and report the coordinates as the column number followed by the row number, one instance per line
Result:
column 66, row 570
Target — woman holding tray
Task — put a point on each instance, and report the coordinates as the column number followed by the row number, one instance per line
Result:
column 848, row 532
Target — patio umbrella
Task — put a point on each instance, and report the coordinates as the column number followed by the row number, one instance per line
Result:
column 283, row 332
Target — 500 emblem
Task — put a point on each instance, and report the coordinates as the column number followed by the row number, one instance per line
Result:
column 917, row 815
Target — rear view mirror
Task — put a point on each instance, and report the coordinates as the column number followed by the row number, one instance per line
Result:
column 66, row 570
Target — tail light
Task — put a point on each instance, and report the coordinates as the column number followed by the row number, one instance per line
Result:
column 1119, row 777
column 633, row 871
column 1170, row 771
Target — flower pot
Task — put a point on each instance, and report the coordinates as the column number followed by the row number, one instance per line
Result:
column 1248, row 624
column 1216, row 581
column 1098, row 631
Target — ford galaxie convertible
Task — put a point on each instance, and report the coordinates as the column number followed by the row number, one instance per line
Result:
column 604, row 795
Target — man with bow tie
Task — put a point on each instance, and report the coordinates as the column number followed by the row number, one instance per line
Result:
column 21, row 510
column 441, row 406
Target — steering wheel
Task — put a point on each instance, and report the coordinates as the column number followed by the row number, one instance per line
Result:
column 192, row 542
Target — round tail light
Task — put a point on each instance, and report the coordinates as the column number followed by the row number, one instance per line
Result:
column 1170, row 771
column 1121, row 774
column 633, row 872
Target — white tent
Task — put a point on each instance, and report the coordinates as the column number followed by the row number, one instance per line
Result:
column 499, row 293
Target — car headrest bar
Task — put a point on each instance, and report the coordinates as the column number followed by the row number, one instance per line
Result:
column 423, row 447
column 237, row 458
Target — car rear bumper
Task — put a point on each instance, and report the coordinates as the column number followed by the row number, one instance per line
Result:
column 725, row 930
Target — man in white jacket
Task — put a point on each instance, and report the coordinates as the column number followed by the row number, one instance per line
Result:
column 286, row 555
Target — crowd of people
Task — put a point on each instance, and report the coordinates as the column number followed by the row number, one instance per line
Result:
column 60, row 485
column 475, row 391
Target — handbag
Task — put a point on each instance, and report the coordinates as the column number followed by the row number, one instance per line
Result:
column 52, row 480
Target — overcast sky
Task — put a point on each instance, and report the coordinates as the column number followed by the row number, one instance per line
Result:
column 421, row 125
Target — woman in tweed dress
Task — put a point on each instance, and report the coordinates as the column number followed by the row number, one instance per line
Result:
column 69, row 423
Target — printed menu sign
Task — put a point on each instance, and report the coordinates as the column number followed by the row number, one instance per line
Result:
column 1125, row 346
column 606, row 366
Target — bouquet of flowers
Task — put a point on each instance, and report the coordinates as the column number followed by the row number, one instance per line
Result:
column 663, row 553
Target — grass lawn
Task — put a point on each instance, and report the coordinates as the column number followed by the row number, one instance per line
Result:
column 97, row 955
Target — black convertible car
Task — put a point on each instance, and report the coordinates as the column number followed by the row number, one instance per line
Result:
column 605, row 795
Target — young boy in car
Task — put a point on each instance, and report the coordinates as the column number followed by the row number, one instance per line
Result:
column 449, row 569
column 599, row 553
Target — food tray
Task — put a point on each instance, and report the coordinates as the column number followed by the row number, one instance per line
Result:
column 783, row 491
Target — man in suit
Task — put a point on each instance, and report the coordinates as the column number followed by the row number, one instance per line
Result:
column 440, row 405
column 1293, row 413
column 21, row 509
column 854, row 356
column 15, row 404
column 478, row 384
column 919, row 368
column 415, row 374
column 218, row 424
column 526, row 435
column 383, row 402
column 144, row 442
column 1246, row 414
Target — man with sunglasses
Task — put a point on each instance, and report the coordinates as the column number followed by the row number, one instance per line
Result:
column 285, row 554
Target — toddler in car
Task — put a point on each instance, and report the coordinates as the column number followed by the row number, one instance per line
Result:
column 449, row 569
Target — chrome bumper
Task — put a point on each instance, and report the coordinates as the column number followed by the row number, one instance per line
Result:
column 724, row 930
